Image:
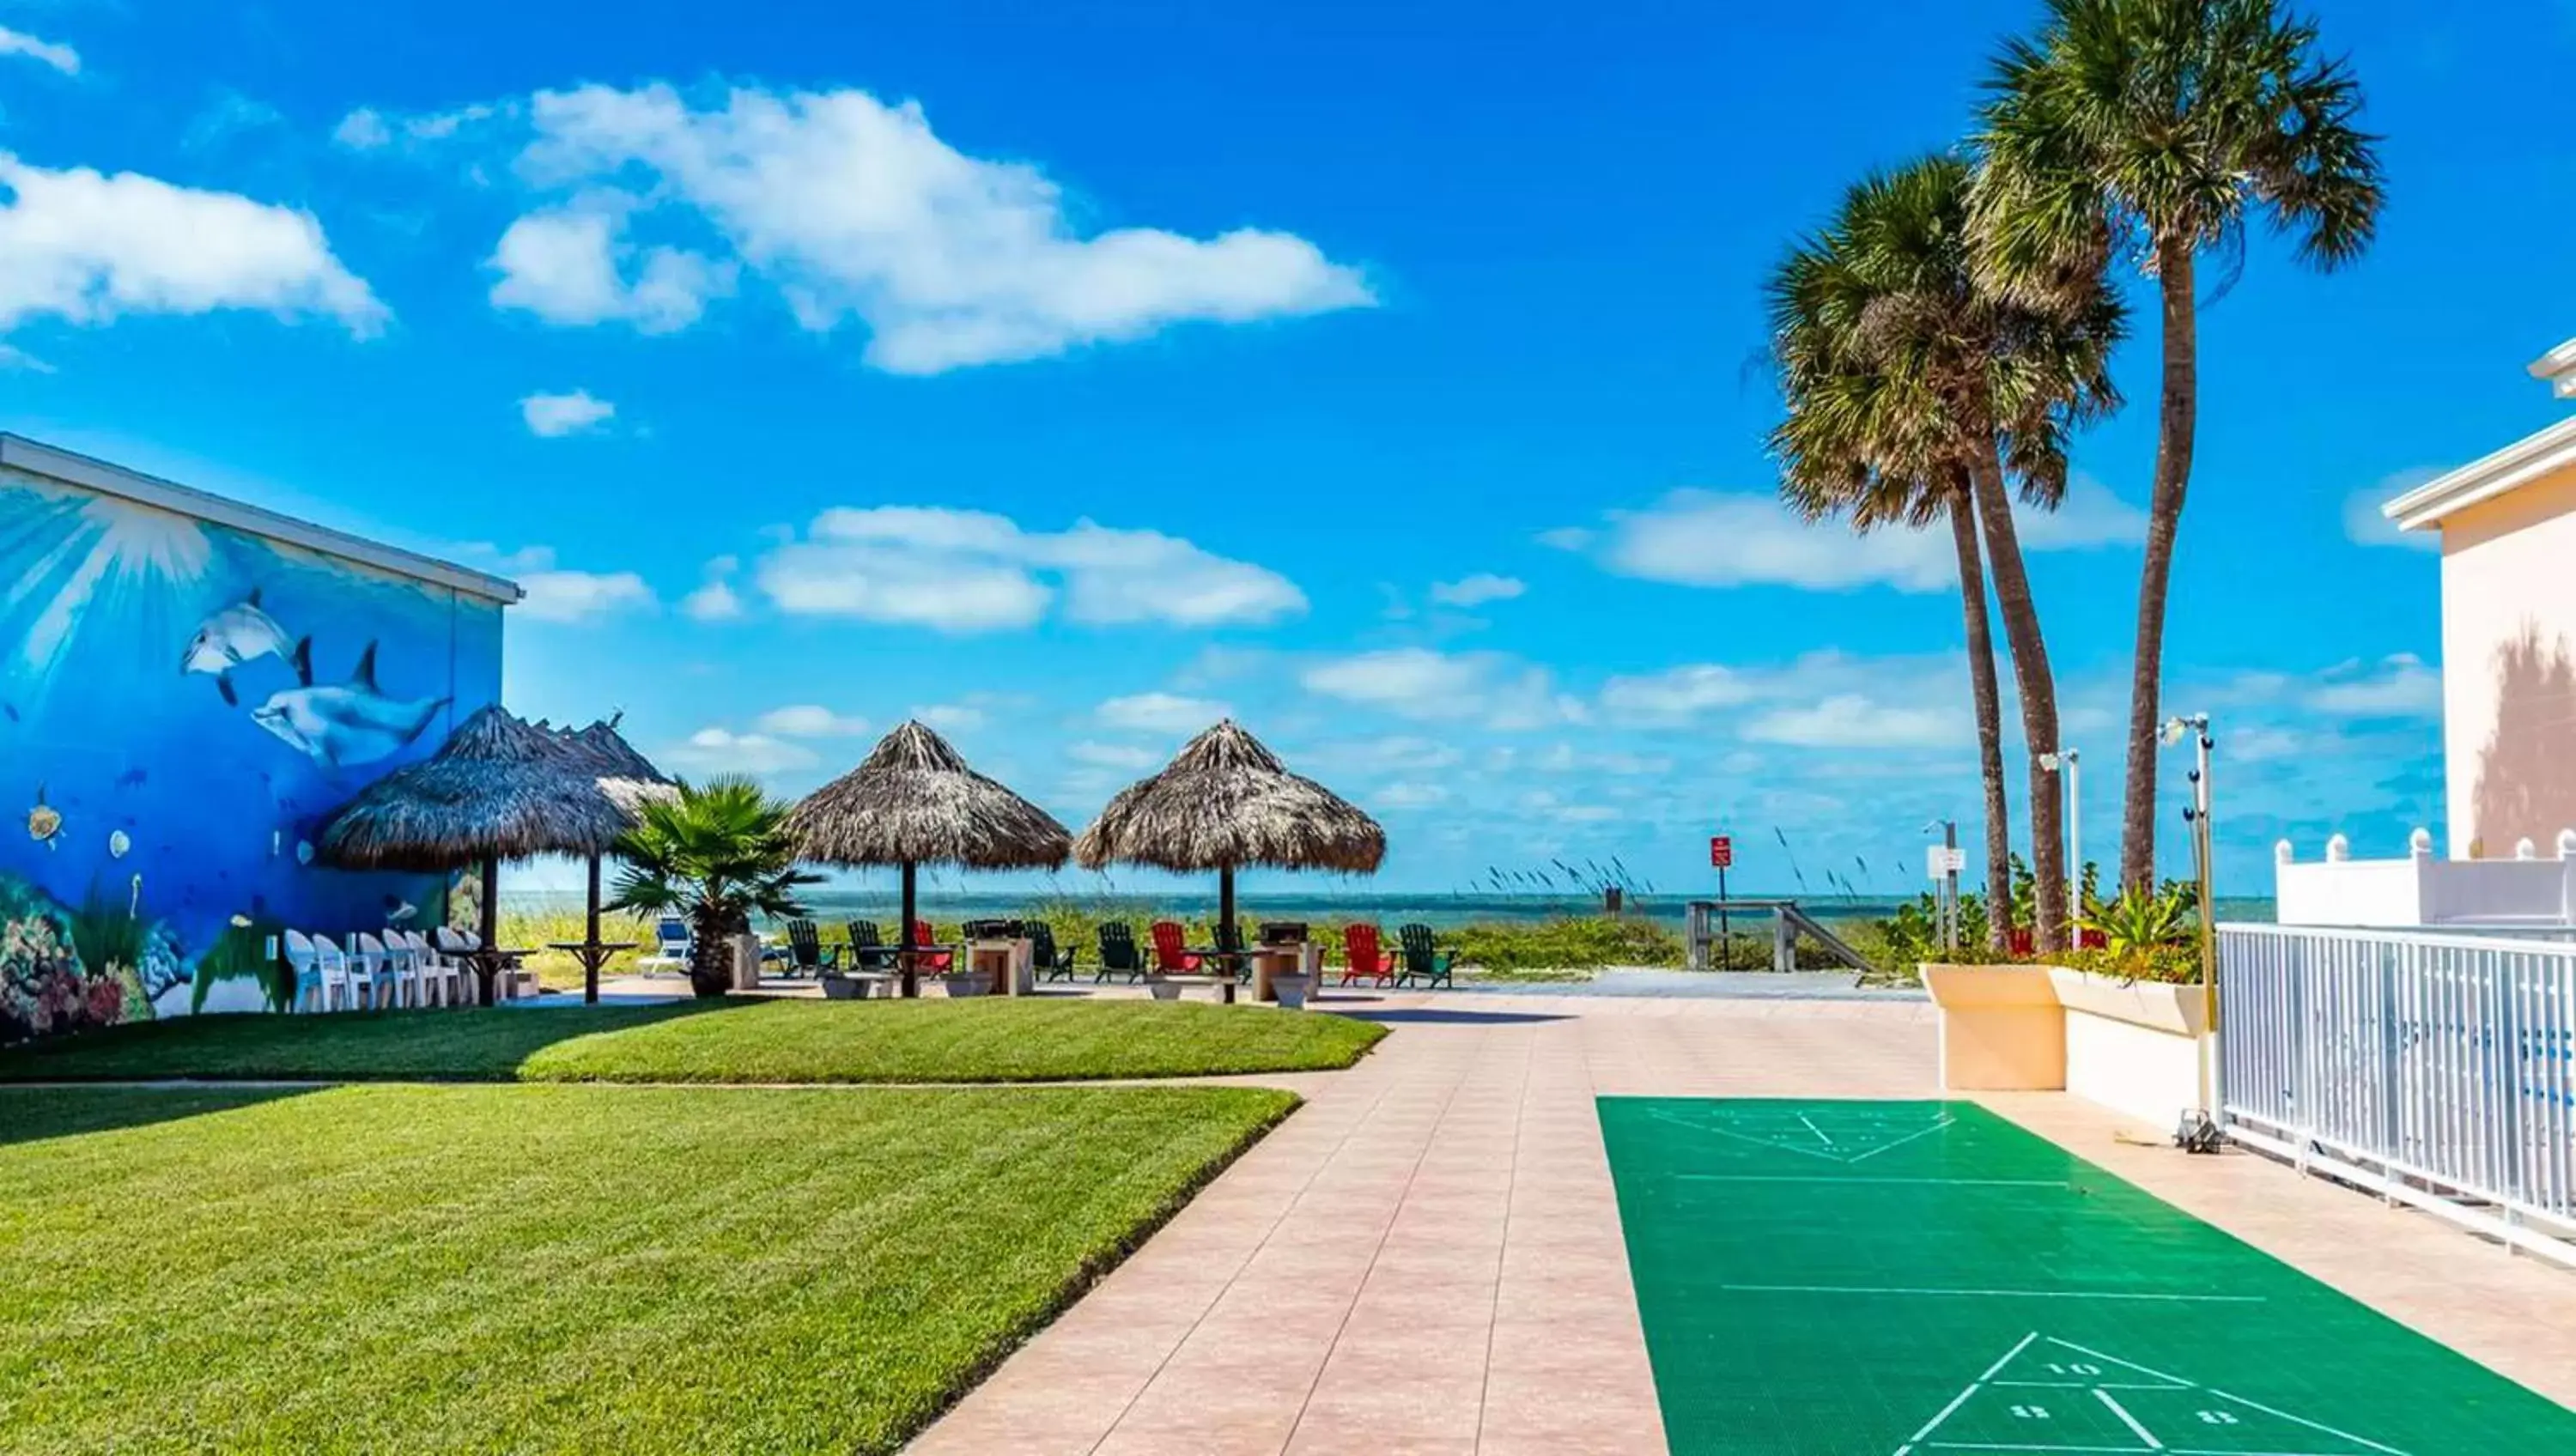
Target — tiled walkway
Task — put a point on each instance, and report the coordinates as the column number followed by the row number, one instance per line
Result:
column 1428, row 1257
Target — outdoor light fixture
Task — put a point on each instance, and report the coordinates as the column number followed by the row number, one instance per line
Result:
column 2199, row 1131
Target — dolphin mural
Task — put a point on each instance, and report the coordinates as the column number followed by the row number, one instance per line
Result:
column 239, row 633
column 341, row 726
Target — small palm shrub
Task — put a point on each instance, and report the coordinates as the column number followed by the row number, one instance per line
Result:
column 718, row 854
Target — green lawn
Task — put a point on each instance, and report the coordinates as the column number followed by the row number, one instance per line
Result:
column 557, row 1269
column 996, row 1039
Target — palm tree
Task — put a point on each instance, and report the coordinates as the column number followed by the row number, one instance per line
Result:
column 1907, row 379
column 2157, row 129
column 717, row 853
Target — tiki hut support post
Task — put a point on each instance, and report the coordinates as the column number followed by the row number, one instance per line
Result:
column 488, row 925
column 911, row 966
column 1225, row 905
column 590, row 964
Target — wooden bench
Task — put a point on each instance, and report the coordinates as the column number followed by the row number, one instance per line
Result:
column 1167, row 986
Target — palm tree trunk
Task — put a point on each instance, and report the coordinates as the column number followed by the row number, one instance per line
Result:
column 710, row 954
column 2038, row 690
column 1990, row 721
column 2174, row 427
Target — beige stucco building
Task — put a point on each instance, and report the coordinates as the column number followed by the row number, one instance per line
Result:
column 2508, row 529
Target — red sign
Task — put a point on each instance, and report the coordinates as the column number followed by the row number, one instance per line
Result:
column 1721, row 851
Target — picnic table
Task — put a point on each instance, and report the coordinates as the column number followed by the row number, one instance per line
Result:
column 592, row 954
column 491, row 962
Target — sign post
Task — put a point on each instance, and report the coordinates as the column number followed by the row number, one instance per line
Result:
column 1721, row 853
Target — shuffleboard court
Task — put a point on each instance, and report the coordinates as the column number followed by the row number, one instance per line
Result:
column 1926, row 1279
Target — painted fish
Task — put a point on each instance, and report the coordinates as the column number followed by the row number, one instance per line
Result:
column 341, row 726
column 44, row 822
column 239, row 633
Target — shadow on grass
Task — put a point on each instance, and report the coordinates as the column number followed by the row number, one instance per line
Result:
column 472, row 1044
column 37, row 1114
column 1442, row 1016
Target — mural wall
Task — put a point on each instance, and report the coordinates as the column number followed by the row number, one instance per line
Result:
column 180, row 705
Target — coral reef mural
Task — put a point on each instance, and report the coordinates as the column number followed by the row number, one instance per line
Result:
column 181, row 703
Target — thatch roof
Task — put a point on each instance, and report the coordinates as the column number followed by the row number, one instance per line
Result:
column 913, row 800
column 626, row 776
column 500, row 787
column 1225, row 801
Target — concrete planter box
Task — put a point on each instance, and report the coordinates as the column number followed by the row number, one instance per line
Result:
column 1291, row 990
column 1164, row 990
column 2134, row 1047
column 967, row 983
column 2001, row 1028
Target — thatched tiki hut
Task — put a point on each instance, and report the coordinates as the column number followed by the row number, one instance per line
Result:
column 913, row 801
column 500, row 789
column 1225, row 802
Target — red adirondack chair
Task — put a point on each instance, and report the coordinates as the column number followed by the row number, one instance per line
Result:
column 939, row 961
column 1359, row 943
column 1171, row 948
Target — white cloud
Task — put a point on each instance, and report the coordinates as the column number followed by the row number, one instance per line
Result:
column 552, row 415
column 555, row 594
column 580, row 596
column 2365, row 525
column 1418, row 682
column 1567, row 758
column 1409, row 796
column 854, row 210
column 363, row 130
column 1398, row 754
column 1161, row 713
column 2398, row 686
column 61, row 57
column 951, row 717
column 1477, row 590
column 1676, row 694
column 971, row 571
column 1850, row 720
column 721, row 750
column 810, row 720
column 714, row 602
column 88, row 247
column 1112, row 755
column 574, row 265
column 367, row 129
column 1728, row 539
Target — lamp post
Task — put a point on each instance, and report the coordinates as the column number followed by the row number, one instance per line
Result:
column 2070, row 761
column 2200, row 1130
column 1946, row 883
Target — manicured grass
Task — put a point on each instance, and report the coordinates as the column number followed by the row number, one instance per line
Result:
column 558, row 1269
column 996, row 1039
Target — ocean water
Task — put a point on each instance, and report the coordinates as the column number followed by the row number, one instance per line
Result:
column 1434, row 908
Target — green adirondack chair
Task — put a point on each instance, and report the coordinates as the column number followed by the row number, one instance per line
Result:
column 1423, row 960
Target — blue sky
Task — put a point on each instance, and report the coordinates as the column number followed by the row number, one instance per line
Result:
column 1381, row 373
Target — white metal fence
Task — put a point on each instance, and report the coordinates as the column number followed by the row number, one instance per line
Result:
column 2436, row 1069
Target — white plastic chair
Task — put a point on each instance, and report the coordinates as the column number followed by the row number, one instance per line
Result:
column 394, row 969
column 307, row 965
column 451, row 949
column 437, row 977
column 337, row 974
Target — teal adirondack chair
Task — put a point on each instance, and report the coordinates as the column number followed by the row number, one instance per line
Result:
column 1423, row 960
column 1118, row 953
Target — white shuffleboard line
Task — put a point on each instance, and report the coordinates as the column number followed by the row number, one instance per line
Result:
column 1997, row 1294
column 1900, row 1142
column 2129, row 1420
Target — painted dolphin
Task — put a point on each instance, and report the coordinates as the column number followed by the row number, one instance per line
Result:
column 239, row 633
column 340, row 726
